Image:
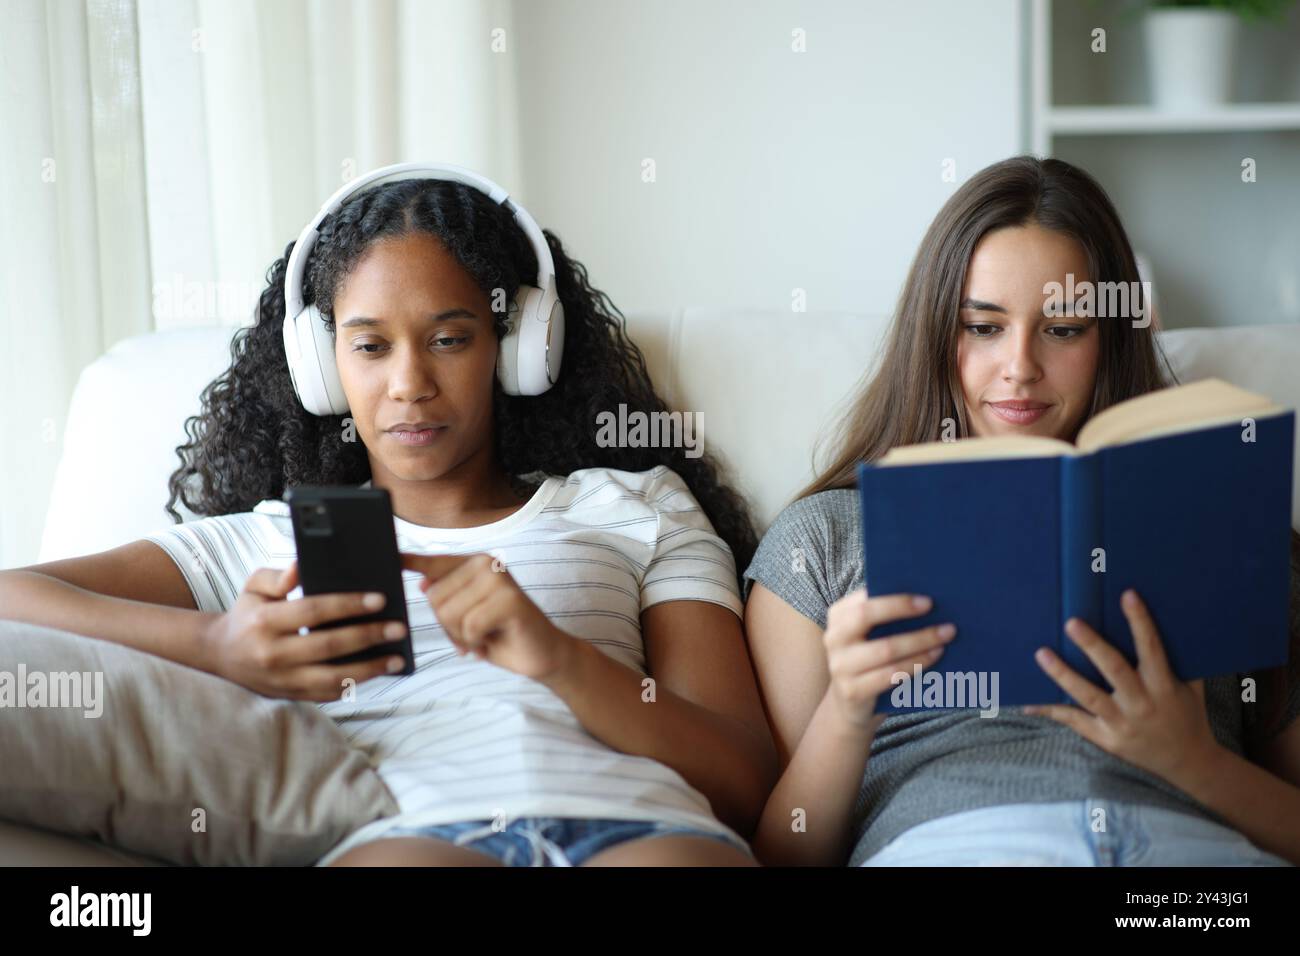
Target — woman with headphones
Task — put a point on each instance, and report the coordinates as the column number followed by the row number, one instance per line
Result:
column 582, row 693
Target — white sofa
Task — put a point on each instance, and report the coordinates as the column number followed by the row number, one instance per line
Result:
column 767, row 385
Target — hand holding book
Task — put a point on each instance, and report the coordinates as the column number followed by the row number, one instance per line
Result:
column 861, row 671
column 1151, row 719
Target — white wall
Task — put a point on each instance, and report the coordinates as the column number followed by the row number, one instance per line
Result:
column 775, row 170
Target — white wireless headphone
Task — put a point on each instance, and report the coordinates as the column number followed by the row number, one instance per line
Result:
column 528, row 362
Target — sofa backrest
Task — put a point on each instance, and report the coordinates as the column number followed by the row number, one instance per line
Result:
column 765, row 385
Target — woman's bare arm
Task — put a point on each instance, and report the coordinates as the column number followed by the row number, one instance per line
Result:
column 808, row 816
column 134, row 595
column 705, row 721
column 1262, row 801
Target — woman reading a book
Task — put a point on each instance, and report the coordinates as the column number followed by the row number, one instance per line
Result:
column 1152, row 771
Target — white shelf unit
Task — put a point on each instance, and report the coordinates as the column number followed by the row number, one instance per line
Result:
column 1048, row 120
column 1104, row 120
column 1223, row 251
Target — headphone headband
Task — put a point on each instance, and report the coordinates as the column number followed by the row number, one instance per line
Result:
column 297, row 267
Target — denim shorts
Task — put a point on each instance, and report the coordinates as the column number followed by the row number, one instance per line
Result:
column 553, row 841
column 1072, row 833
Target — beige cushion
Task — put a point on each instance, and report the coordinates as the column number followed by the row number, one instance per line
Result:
column 276, row 781
column 24, row 845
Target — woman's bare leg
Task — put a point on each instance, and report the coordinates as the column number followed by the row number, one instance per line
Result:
column 414, row 851
column 672, row 851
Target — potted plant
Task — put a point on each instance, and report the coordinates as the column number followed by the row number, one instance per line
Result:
column 1191, row 48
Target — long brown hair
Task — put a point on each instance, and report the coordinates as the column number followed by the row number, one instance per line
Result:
column 916, row 385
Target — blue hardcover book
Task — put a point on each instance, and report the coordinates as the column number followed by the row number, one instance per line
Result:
column 1182, row 494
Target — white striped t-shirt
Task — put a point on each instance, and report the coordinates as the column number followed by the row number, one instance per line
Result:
column 462, row 739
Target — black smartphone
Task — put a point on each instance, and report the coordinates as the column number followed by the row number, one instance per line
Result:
column 347, row 542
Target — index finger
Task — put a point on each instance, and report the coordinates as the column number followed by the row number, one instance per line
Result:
column 270, row 583
column 855, row 618
column 1153, row 664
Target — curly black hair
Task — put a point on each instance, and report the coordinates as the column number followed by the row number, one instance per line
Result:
column 252, row 439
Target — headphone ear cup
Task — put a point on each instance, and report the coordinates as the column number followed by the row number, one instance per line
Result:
column 336, row 399
column 508, row 353
column 554, row 349
column 316, row 375
column 536, row 342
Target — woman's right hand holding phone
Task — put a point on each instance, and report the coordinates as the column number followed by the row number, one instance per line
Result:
column 862, row 667
column 256, row 642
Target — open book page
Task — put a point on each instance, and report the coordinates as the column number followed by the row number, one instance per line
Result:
column 1181, row 408
column 971, row 449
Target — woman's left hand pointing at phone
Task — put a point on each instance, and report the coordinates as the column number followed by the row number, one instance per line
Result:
column 486, row 614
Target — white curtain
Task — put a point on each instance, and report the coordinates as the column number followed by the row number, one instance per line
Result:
column 157, row 155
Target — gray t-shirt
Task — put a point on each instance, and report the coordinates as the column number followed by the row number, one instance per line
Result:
column 932, row 763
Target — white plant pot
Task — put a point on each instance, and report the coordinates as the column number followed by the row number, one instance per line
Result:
column 1190, row 55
